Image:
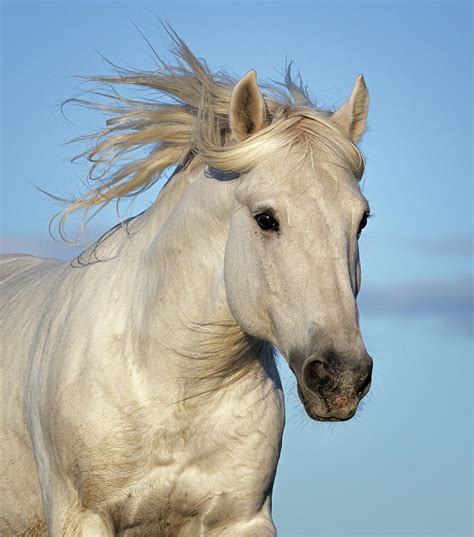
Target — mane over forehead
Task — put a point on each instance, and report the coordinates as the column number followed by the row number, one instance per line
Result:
column 188, row 113
column 293, row 127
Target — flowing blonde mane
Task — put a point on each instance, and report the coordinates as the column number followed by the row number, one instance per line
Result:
column 189, row 115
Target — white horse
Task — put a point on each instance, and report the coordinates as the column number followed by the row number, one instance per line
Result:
column 140, row 394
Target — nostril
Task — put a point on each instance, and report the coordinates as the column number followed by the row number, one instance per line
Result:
column 318, row 376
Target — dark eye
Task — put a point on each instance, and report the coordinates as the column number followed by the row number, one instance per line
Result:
column 267, row 222
column 362, row 224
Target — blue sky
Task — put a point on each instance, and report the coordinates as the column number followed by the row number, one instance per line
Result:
column 402, row 466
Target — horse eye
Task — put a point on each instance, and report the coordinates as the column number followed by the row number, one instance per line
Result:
column 267, row 222
column 362, row 224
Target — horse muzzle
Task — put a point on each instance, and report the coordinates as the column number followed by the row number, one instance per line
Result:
column 331, row 389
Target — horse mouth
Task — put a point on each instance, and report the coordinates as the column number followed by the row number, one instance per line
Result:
column 320, row 408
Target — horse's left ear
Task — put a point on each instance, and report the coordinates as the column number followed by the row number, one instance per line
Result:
column 247, row 113
column 351, row 117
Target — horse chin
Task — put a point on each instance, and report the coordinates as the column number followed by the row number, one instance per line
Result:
column 320, row 409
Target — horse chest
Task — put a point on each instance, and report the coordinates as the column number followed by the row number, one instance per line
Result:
column 204, row 473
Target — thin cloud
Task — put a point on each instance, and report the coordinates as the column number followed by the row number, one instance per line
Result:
column 456, row 245
column 449, row 301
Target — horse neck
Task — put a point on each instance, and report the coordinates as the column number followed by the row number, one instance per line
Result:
column 184, row 309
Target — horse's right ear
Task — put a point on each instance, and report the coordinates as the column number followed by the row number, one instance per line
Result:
column 248, row 112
